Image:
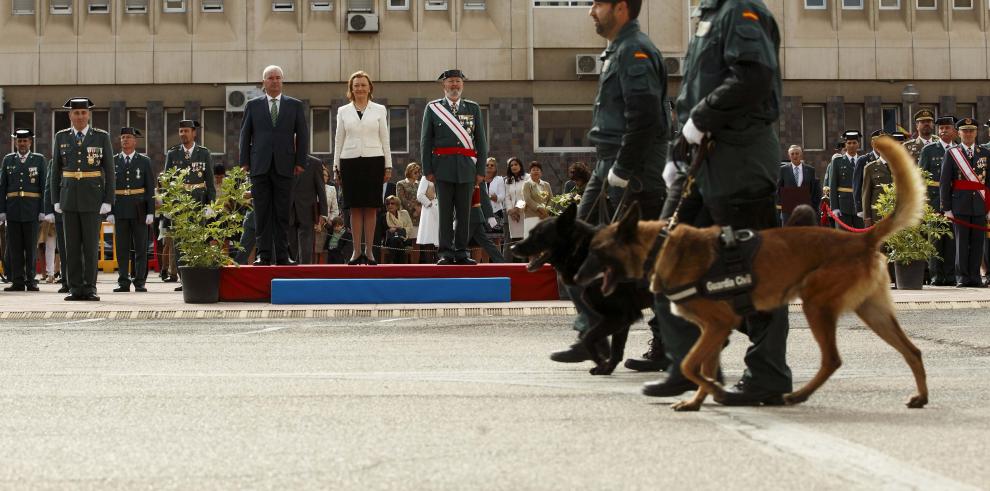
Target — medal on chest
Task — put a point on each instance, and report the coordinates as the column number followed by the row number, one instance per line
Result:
column 467, row 121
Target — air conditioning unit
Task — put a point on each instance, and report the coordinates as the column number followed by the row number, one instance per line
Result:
column 239, row 95
column 674, row 66
column 362, row 22
column 587, row 64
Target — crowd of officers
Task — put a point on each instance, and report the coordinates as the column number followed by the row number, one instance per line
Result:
column 84, row 184
column 945, row 149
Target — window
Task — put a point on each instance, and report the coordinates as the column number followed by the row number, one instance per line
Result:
column 321, row 5
column 398, row 129
column 98, row 118
column 853, row 117
column 21, row 119
column 99, row 6
column 283, row 6
column 563, row 3
column 360, row 5
column 174, row 6
column 562, row 129
column 211, row 5
column 965, row 111
column 813, row 127
column 172, row 118
column 962, row 4
column 891, row 119
column 320, row 139
column 927, row 4
column 213, row 133
column 436, row 5
column 138, row 118
column 852, row 4
column 890, row 4
column 398, row 4
column 60, row 7
column 23, row 7
column 136, row 6
column 474, row 4
column 814, row 4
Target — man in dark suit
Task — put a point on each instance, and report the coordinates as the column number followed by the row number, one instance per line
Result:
column 274, row 146
column 962, row 189
column 309, row 210
column 796, row 178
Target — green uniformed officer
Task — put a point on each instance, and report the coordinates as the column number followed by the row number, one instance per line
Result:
column 962, row 186
column 731, row 92
column 133, row 211
column 630, row 129
column 876, row 174
column 839, row 179
column 56, row 218
column 82, row 190
column 454, row 152
column 22, row 182
column 199, row 181
column 924, row 123
column 940, row 267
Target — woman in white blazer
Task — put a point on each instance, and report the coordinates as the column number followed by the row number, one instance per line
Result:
column 361, row 155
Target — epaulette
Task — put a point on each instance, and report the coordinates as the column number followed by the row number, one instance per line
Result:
column 97, row 130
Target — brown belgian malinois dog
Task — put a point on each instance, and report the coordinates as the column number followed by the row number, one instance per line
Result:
column 831, row 271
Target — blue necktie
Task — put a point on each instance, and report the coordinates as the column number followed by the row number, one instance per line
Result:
column 79, row 137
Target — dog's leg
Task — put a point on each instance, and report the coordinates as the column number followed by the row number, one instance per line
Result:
column 704, row 352
column 591, row 340
column 619, row 338
column 822, row 322
column 878, row 313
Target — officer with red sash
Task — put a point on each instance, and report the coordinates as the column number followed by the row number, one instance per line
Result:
column 962, row 187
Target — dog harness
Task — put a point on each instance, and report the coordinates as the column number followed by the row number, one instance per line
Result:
column 730, row 277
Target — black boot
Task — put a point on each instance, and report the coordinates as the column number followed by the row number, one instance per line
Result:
column 577, row 352
column 654, row 360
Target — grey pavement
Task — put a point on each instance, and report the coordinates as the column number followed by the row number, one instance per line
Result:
column 464, row 403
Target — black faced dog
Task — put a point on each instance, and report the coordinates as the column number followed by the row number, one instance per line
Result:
column 563, row 242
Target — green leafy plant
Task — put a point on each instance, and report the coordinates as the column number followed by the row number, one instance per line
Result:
column 560, row 202
column 913, row 243
column 200, row 233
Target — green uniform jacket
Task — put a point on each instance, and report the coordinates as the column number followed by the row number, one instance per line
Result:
column 840, row 186
column 436, row 134
column 931, row 162
column 875, row 175
column 915, row 146
column 94, row 154
column 630, row 122
column 200, row 177
column 135, row 176
column 27, row 177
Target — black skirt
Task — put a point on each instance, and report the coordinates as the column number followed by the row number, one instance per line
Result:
column 361, row 181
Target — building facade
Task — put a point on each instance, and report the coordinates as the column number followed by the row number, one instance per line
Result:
column 847, row 64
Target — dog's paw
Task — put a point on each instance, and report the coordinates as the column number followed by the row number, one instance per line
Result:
column 793, row 399
column 603, row 369
column 917, row 402
column 684, row 406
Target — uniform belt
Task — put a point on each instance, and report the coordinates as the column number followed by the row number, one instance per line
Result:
column 961, row 185
column 81, row 174
column 844, row 190
column 191, row 187
column 128, row 192
column 23, row 194
column 467, row 152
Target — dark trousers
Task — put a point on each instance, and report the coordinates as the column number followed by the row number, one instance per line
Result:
column 969, row 249
column 272, row 195
column 22, row 247
column 301, row 237
column 766, row 360
column 60, row 247
column 943, row 267
column 248, row 238
column 131, row 234
column 480, row 236
column 455, row 203
column 82, row 239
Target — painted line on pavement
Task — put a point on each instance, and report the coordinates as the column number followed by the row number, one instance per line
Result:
column 261, row 331
column 76, row 322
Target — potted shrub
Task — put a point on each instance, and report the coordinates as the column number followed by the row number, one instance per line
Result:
column 199, row 230
column 910, row 249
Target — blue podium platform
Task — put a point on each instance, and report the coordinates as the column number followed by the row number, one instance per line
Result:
column 389, row 290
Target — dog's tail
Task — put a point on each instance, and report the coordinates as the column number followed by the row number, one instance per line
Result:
column 910, row 188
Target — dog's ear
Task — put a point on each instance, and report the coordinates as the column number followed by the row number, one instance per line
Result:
column 629, row 224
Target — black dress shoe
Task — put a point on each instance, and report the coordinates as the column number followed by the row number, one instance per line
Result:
column 32, row 288
column 465, row 261
column 285, row 262
column 261, row 261
column 14, row 288
column 140, row 289
column 369, row 261
column 171, row 279
column 90, row 297
column 445, row 261
column 122, row 289
column 64, row 289
column 960, row 285
column 74, row 298
column 577, row 353
column 744, row 393
column 671, row 386
column 356, row 261
column 654, row 360
column 178, row 288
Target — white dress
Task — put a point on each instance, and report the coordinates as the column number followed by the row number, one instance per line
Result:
column 429, row 216
column 513, row 195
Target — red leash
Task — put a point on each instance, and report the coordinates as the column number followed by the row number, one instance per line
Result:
column 828, row 210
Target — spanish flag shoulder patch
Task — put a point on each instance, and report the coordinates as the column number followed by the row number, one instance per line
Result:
column 750, row 15
column 639, row 55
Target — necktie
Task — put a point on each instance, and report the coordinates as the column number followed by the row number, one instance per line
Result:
column 797, row 176
column 274, row 111
column 23, row 158
column 79, row 137
column 127, row 161
column 453, row 108
column 188, row 153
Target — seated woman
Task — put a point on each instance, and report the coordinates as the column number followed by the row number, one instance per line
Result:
column 399, row 231
column 537, row 195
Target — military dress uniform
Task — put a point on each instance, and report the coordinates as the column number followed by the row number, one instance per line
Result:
column 455, row 169
column 917, row 144
column 59, row 230
column 731, row 89
column 22, row 182
column 967, row 205
column 940, row 267
column 839, row 179
column 135, row 202
column 199, row 181
column 82, row 186
column 875, row 175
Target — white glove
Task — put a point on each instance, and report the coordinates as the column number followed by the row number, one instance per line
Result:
column 208, row 212
column 41, row 217
column 691, row 133
column 3, row 218
column 50, row 218
column 58, row 209
column 105, row 208
column 492, row 222
column 615, row 181
column 670, row 173
column 861, row 214
column 949, row 214
column 110, row 219
column 149, row 219
column 838, row 213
